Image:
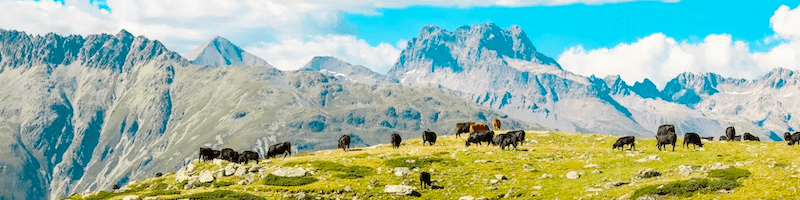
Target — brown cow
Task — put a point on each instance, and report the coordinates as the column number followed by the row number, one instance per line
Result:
column 496, row 123
column 478, row 127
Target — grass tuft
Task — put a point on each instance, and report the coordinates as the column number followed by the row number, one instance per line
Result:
column 729, row 174
column 419, row 162
column 288, row 181
column 686, row 188
column 222, row 195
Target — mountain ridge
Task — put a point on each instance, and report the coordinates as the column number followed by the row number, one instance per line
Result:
column 218, row 51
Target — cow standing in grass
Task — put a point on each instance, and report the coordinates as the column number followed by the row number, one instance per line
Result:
column 692, row 138
column 206, row 154
column 786, row 136
column 248, row 156
column 344, row 142
column 627, row 140
column 730, row 133
column 284, row 148
column 428, row 136
column 480, row 136
column 229, row 155
column 794, row 139
column 666, row 136
column 519, row 134
column 425, row 180
column 496, row 123
column 750, row 137
column 396, row 140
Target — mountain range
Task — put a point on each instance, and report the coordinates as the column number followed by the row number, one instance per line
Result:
column 84, row 113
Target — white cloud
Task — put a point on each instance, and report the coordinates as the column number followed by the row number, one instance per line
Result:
column 661, row 58
column 292, row 54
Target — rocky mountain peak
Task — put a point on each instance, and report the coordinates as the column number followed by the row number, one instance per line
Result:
column 646, row 89
column 219, row 51
column 779, row 77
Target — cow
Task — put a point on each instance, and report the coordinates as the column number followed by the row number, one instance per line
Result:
column 737, row 138
column 344, row 142
column 707, row 138
column 396, row 140
column 480, row 136
column 723, row 138
column 229, row 154
column 206, row 154
column 730, row 133
column 795, row 138
column 284, row 148
column 462, row 128
column 496, row 123
column 247, row 156
column 425, row 180
column 520, row 134
column 787, row 136
column 749, row 137
column 159, row 174
column 627, row 140
column 217, row 154
column 428, row 136
column 115, row 187
column 505, row 140
column 478, row 127
column 692, row 138
column 666, row 136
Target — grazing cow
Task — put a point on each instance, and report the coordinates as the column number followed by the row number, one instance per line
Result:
column 730, row 133
column 229, row 154
column 627, row 140
column 749, row 137
column 505, row 140
column 520, row 134
column 428, row 136
column 462, row 128
column 795, row 138
column 478, row 127
column 723, row 138
column 396, row 140
column 707, row 138
column 247, row 156
column 737, row 138
column 692, row 138
column 425, row 180
column 284, row 148
column 159, row 174
column 666, row 136
column 115, row 187
column 344, row 142
column 480, row 136
column 206, row 154
column 496, row 123
column 217, row 154
column 786, row 136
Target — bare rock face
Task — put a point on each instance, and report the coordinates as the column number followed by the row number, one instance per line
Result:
column 289, row 172
column 206, row 176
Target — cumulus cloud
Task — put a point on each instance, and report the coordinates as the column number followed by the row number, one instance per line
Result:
column 292, row 54
column 661, row 58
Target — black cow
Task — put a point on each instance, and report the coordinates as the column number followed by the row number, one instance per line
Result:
column 217, row 154
column 247, row 156
column 159, row 174
column 707, row 138
column 795, row 138
column 666, row 136
column 786, row 136
column 723, row 138
column 749, row 137
column 627, row 140
column 229, row 154
column 730, row 133
column 692, row 138
column 344, row 142
column 505, row 140
column 206, row 154
column 428, row 136
column 284, row 148
column 115, row 187
column 396, row 140
column 425, row 180
column 520, row 134
column 480, row 136
column 737, row 138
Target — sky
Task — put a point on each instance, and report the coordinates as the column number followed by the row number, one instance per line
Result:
column 634, row 39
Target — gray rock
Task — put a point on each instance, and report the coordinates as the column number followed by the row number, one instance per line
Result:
column 399, row 189
column 254, row 168
column 685, row 170
column 219, row 173
column 491, row 188
column 500, row 177
column 240, row 171
column 545, row 175
column 597, row 171
column 648, row 159
column 151, row 198
column 647, row 173
column 401, row 171
column 466, row 198
column 573, row 175
column 131, row 197
column 720, row 166
column 206, row 176
column 229, row 170
column 648, row 197
column 289, row 172
column 591, row 166
column 494, row 181
column 482, row 161
column 217, row 162
column 615, row 184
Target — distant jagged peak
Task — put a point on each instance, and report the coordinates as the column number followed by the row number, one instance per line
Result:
column 219, row 51
column 646, row 89
column 779, row 77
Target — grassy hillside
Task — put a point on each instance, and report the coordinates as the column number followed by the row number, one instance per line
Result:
column 471, row 171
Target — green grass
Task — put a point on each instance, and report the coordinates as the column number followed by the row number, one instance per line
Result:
column 729, row 174
column 419, row 162
column 161, row 193
column 344, row 172
column 218, row 184
column 288, row 181
column 222, row 195
column 726, row 180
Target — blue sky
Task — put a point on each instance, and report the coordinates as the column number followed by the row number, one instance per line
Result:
column 631, row 38
column 555, row 28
